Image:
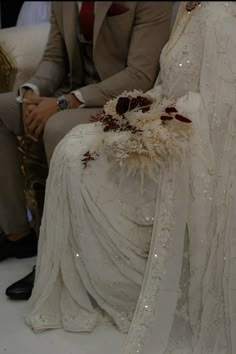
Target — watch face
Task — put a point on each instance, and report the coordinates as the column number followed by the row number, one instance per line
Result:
column 63, row 104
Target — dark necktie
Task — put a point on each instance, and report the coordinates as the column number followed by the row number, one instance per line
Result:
column 86, row 19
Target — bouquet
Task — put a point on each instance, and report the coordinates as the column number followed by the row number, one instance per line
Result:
column 139, row 133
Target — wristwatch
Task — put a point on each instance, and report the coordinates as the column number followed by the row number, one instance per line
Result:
column 62, row 103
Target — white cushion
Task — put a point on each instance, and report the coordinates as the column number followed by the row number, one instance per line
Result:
column 21, row 49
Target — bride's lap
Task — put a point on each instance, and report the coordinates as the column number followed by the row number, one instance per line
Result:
column 129, row 207
column 75, row 143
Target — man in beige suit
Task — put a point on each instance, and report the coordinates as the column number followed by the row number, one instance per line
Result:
column 95, row 51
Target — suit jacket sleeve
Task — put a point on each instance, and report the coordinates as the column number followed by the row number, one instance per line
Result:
column 52, row 68
column 150, row 33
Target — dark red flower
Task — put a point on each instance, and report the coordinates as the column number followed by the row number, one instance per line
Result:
column 133, row 103
column 106, row 128
column 97, row 117
column 182, row 118
column 171, row 110
column 122, row 105
column 111, row 124
column 126, row 104
column 164, row 118
column 87, row 157
column 141, row 102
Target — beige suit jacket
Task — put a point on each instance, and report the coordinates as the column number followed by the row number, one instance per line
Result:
column 126, row 49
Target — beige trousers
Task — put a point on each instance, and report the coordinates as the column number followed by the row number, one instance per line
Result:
column 12, row 200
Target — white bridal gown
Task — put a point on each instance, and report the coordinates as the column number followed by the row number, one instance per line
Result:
column 158, row 261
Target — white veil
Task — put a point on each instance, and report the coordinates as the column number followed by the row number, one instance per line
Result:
column 211, row 318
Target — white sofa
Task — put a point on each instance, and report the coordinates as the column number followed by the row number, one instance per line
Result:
column 21, row 49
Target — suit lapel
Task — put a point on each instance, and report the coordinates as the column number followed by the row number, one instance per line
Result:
column 101, row 8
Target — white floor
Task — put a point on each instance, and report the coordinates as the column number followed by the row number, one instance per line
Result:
column 17, row 338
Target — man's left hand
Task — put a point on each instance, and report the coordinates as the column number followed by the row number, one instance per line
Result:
column 46, row 107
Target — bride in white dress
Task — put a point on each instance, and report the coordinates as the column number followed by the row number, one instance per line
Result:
column 150, row 244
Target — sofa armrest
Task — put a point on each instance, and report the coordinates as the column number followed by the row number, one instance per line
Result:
column 21, row 49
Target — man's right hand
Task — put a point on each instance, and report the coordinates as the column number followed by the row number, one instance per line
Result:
column 28, row 108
